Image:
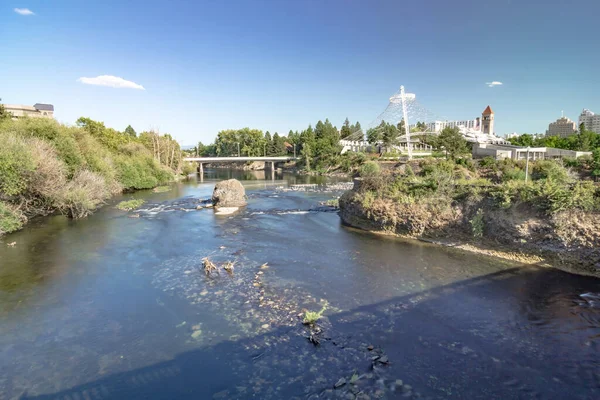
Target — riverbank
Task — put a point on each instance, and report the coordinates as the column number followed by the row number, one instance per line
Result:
column 548, row 221
column 47, row 167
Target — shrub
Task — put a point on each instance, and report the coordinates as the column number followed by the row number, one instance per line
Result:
column 370, row 168
column 477, row 224
column 61, row 137
column 11, row 218
column 512, row 173
column 128, row 205
column 559, row 197
column 16, row 165
column 161, row 189
column 467, row 163
column 188, row 168
column 549, row 170
column 488, row 162
column 367, row 199
column 82, row 195
column 311, row 317
column 408, row 171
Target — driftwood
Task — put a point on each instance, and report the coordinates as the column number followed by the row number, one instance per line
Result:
column 209, row 266
column 228, row 266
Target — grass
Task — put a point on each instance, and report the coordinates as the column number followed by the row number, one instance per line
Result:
column 161, row 189
column 128, row 205
column 333, row 203
column 311, row 317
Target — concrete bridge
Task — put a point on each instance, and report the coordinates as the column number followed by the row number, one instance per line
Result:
column 203, row 160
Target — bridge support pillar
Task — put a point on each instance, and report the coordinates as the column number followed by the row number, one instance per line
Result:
column 201, row 171
column 272, row 170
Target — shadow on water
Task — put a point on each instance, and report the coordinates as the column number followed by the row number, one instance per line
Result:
column 437, row 354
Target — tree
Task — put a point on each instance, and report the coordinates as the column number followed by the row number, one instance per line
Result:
column 278, row 145
column 585, row 139
column 390, row 136
column 452, row 141
column 130, row 131
column 523, row 140
column 3, row 113
column 345, row 131
column 267, row 144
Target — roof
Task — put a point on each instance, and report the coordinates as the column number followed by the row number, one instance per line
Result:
column 488, row 110
column 19, row 107
column 43, row 107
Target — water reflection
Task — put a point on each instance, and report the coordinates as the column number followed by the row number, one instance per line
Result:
column 120, row 307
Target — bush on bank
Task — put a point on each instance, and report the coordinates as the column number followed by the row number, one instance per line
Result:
column 436, row 194
column 46, row 166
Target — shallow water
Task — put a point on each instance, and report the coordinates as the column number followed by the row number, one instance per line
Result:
column 117, row 306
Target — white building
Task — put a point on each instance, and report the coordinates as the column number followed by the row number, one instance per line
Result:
column 590, row 121
column 562, row 127
column 38, row 110
column 500, row 151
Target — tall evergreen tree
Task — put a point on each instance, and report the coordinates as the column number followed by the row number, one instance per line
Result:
column 346, row 130
column 130, row 131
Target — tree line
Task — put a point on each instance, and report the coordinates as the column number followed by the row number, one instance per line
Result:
column 315, row 146
column 583, row 140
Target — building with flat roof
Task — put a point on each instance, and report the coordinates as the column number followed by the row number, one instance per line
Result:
column 562, row 127
column 590, row 120
column 38, row 110
column 500, row 151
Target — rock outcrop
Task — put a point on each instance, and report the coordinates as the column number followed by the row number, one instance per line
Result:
column 569, row 240
column 229, row 193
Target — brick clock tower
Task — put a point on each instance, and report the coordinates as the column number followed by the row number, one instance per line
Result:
column 487, row 121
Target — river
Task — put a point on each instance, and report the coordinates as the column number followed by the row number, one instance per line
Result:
column 116, row 306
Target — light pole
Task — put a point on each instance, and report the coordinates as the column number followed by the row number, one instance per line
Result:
column 406, row 129
column 527, row 165
column 238, row 144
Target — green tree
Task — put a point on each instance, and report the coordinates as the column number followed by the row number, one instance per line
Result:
column 390, row 136
column 452, row 141
column 278, row 145
column 346, row 130
column 523, row 140
column 130, row 131
column 374, row 135
column 3, row 113
column 586, row 140
column 268, row 144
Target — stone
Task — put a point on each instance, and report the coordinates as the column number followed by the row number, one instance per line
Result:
column 340, row 383
column 229, row 193
column 196, row 335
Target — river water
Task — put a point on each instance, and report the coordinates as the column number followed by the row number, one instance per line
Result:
column 117, row 306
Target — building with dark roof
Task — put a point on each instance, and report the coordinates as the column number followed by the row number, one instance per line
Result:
column 38, row 110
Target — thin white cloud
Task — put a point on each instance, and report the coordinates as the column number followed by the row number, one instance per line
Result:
column 24, row 11
column 110, row 81
column 493, row 83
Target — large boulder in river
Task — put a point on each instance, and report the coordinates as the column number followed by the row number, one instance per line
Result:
column 229, row 193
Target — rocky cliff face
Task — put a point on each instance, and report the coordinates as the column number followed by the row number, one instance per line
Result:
column 569, row 240
column 229, row 193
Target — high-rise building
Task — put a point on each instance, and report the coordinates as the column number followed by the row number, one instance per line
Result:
column 590, row 121
column 562, row 127
column 487, row 121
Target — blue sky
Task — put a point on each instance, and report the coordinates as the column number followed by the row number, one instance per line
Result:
column 280, row 65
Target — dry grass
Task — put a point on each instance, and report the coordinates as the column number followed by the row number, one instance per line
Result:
column 228, row 266
column 81, row 196
column 209, row 266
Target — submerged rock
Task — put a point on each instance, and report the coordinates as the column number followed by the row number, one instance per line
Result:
column 229, row 193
